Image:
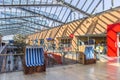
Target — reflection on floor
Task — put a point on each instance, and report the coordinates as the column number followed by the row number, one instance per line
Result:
column 109, row 70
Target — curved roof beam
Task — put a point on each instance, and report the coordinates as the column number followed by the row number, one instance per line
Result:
column 8, row 31
column 17, row 17
column 22, row 18
column 14, row 31
column 41, row 15
column 36, row 23
column 29, row 5
column 12, row 28
column 12, row 24
column 73, row 8
column 22, row 24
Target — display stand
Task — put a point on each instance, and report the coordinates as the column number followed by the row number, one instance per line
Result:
column 33, row 60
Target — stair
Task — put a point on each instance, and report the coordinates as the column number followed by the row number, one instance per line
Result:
column 2, row 48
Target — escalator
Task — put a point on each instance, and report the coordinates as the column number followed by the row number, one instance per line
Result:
column 10, row 61
column 3, row 50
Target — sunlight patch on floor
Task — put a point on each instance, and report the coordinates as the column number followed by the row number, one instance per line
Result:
column 115, row 64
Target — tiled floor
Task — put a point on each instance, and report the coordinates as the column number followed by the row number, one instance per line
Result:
column 109, row 70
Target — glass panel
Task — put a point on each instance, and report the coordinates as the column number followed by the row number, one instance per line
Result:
column 23, row 1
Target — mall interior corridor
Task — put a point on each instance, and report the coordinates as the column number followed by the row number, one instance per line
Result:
column 59, row 39
column 102, row 70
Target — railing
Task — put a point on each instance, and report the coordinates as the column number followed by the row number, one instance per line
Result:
column 11, row 62
column 61, row 57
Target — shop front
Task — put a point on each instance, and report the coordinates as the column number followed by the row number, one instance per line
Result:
column 50, row 44
column 94, row 40
column 113, row 40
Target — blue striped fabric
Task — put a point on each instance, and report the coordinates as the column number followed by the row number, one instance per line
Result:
column 34, row 56
column 26, row 58
column 40, row 61
column 42, row 56
column 89, row 52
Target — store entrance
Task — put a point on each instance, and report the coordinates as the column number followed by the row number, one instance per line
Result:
column 118, row 44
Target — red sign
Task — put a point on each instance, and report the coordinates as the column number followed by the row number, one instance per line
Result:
column 71, row 35
column 112, row 31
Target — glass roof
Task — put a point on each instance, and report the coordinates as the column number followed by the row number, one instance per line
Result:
column 30, row 16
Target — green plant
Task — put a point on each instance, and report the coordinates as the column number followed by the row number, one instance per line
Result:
column 20, row 41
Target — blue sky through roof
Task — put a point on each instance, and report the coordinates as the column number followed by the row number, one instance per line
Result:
column 60, row 13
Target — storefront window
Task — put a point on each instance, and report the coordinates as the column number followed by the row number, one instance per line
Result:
column 79, row 43
column 65, row 44
column 41, row 41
